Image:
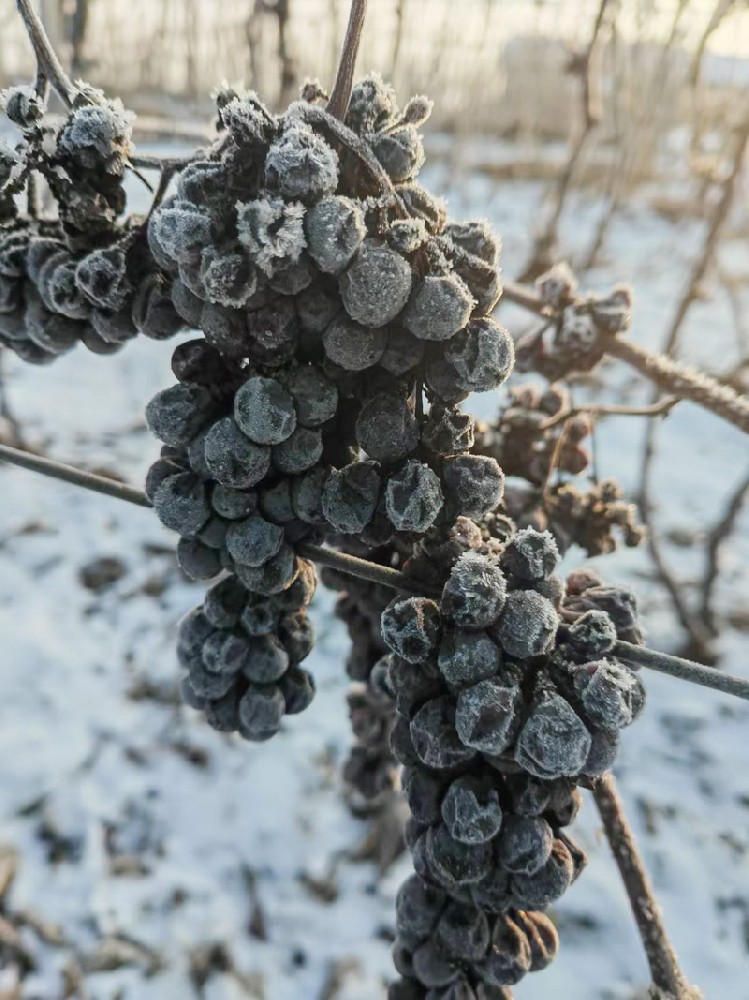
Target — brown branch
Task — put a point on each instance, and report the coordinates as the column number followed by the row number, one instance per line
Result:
column 341, row 95
column 660, row 954
column 47, row 61
column 686, row 383
column 659, row 409
column 716, row 540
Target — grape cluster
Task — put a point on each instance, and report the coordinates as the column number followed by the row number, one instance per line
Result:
column 85, row 275
column 506, row 692
column 242, row 652
column 522, row 443
column 574, row 341
column 325, row 311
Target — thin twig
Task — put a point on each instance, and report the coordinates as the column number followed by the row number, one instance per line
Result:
column 683, row 669
column 716, row 540
column 341, row 94
column 345, row 563
column 659, row 409
column 46, row 58
column 664, row 965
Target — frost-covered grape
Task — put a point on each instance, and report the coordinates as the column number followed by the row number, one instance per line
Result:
column 482, row 355
column 471, row 810
column 439, row 307
column 401, row 153
column 435, row 740
column 226, row 652
column 197, row 560
column 234, row 505
column 335, row 229
column 254, row 541
column 413, row 497
column 524, row 844
column 266, row 660
column 592, row 635
column 315, row 396
column 298, row 690
column 548, row 884
column 102, row 276
column 351, row 495
column 228, row 277
column 260, row 712
column 299, row 452
column 423, row 792
column 604, row 749
column 542, row 937
column 224, row 602
column 448, row 431
column 274, row 576
column 275, row 502
column 403, row 351
column 464, row 931
column 175, row 415
column 411, row 628
column 307, row 495
column 475, row 237
column 180, row 233
column 198, row 363
column 611, row 694
column 376, row 285
column 466, row 657
column 432, row 965
column 352, row 346
column 272, row 230
column 554, row 741
column 531, row 555
column 222, row 714
column 234, row 460
column 473, row 484
column 509, row 955
column 453, row 862
column 528, row 624
column 485, row 715
column 264, row 411
column 418, row 906
column 300, row 164
column 181, row 504
column 475, row 592
column 386, row 428
column 373, row 105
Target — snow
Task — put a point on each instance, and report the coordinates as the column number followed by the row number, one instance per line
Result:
column 118, row 775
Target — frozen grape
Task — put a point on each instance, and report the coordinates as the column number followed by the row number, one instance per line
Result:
column 266, row 659
column 307, row 495
column 611, row 694
column 592, row 635
column 272, row 230
column 413, row 497
column 234, row 505
column 475, row 592
column 299, row 452
column 435, row 740
column 275, row 502
column 531, row 555
column 315, row 397
column 103, row 278
column 253, row 541
column 181, row 504
column 224, row 602
column 453, row 862
column 264, row 411
column 376, row 285
column 464, row 931
column 471, row 810
column 401, row 153
column 411, row 628
column 386, row 428
column 423, row 792
column 234, row 460
column 466, row 657
column 448, row 431
column 554, row 741
column 439, row 307
column 335, row 229
column 528, row 625
column 260, row 712
column 485, row 716
column 274, row 576
column 196, row 560
column 432, row 965
column 300, row 164
column 548, row 884
column 509, row 954
column 352, row 346
column 473, row 484
column 175, row 415
column 524, row 844
column 403, row 351
column 482, row 355
column 476, row 238
column 351, row 495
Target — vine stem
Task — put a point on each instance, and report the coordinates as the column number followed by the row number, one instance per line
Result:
column 670, row 375
column 354, row 566
column 659, row 409
column 664, row 966
column 48, row 64
column 341, row 95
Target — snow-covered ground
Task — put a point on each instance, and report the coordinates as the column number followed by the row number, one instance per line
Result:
column 142, row 838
